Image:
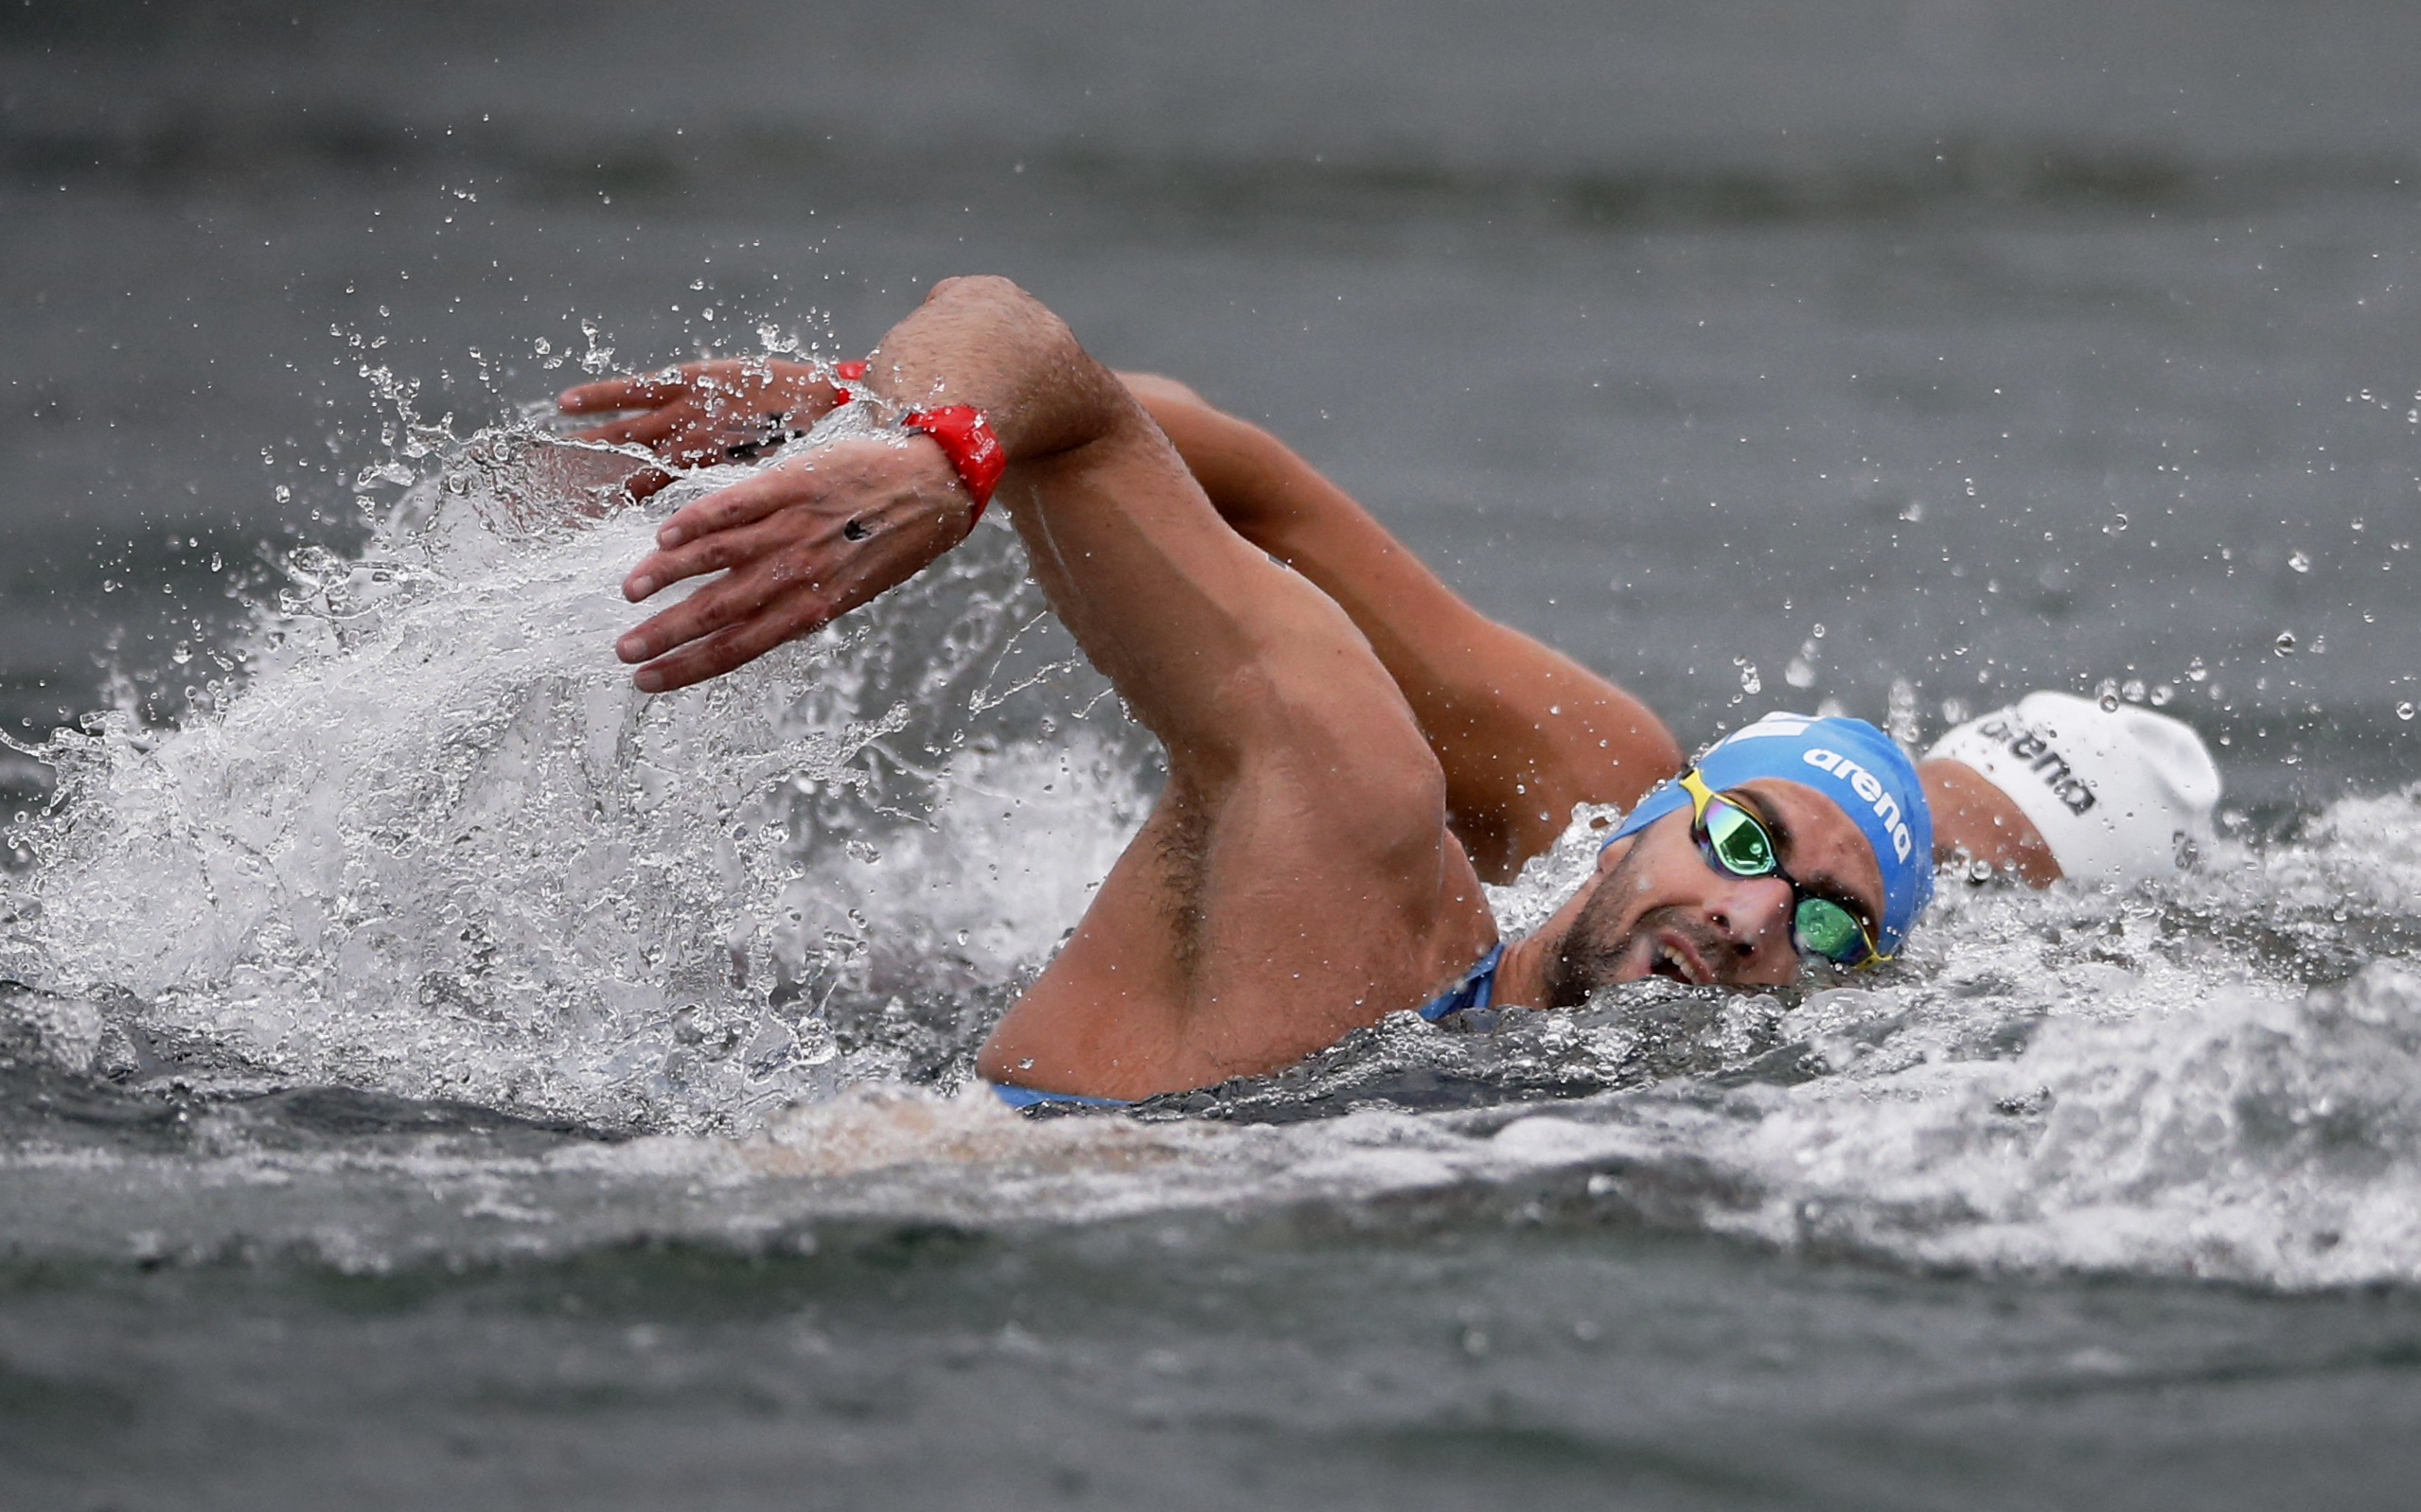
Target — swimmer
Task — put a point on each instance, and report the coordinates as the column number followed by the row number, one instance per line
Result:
column 1352, row 748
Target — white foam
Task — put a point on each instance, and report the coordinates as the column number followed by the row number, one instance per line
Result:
column 440, row 845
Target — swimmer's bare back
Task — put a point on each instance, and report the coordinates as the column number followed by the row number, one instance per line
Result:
column 1298, row 878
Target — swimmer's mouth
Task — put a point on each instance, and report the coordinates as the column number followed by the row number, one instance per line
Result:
column 1671, row 956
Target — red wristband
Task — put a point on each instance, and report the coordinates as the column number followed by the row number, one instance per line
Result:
column 960, row 429
column 966, row 438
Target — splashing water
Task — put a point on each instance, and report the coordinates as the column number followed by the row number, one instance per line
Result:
column 438, row 848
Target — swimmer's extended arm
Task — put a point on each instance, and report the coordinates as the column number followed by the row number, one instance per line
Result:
column 1301, row 794
column 1522, row 731
column 1173, row 605
column 795, row 546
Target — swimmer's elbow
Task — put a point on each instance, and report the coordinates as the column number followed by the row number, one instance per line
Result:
column 1000, row 298
column 974, row 286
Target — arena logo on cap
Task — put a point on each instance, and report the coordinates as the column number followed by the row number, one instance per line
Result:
column 1869, row 789
column 2033, row 747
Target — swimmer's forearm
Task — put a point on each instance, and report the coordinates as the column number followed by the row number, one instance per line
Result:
column 985, row 342
column 1255, row 481
column 1282, row 503
column 1190, row 622
column 1522, row 731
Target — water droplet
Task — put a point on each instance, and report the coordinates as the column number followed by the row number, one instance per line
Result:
column 2404, row 711
column 2110, row 703
column 2300, row 561
column 2285, row 644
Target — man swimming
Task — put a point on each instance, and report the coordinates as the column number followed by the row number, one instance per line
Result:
column 1352, row 748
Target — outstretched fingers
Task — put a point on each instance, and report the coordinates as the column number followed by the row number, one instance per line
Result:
column 647, row 391
column 744, row 503
column 722, row 383
column 734, row 646
column 717, row 606
column 797, row 546
column 646, row 429
column 732, row 547
column 645, row 483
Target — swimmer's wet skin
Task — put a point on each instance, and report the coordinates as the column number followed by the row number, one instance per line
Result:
column 1352, row 748
column 1476, row 991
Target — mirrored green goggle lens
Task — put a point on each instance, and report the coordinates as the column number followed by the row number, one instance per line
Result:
column 1739, row 841
column 1828, row 929
column 1743, row 847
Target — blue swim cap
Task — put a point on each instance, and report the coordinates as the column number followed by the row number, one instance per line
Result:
column 1850, row 762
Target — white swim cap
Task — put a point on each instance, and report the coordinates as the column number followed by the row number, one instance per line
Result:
column 2113, row 791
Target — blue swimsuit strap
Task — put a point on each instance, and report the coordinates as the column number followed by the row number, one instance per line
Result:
column 1028, row 1097
column 1478, row 989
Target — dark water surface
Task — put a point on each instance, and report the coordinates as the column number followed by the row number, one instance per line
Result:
column 1424, row 1361
column 438, row 1078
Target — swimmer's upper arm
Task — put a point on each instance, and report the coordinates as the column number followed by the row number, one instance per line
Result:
column 1521, row 731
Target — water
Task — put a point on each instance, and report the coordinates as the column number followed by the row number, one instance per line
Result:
column 431, row 1074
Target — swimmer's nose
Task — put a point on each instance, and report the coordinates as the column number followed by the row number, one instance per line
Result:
column 1749, row 912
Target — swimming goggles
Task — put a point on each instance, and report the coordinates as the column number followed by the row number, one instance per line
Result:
column 1735, row 843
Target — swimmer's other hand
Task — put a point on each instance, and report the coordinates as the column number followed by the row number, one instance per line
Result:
column 701, row 412
column 798, row 545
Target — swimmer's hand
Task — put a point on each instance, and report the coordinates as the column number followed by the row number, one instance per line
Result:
column 701, row 412
column 798, row 545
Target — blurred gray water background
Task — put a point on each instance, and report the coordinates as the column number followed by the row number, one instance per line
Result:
column 2017, row 346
